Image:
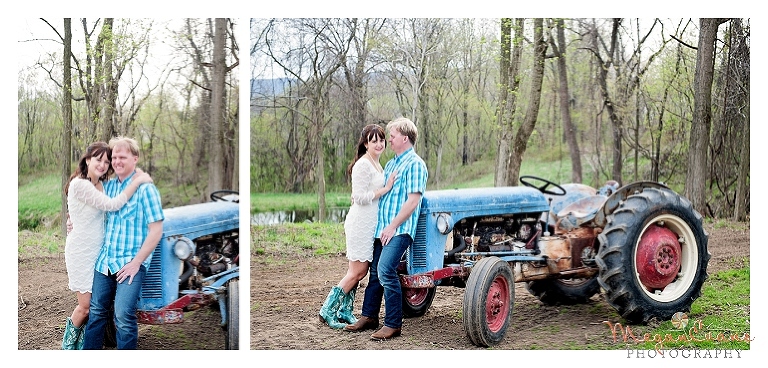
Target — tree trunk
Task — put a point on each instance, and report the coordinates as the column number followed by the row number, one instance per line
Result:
column 616, row 123
column 529, row 121
column 511, row 49
column 563, row 92
column 742, row 186
column 317, row 134
column 696, row 178
column 107, row 83
column 216, row 166
column 66, row 107
column 739, row 45
column 502, row 154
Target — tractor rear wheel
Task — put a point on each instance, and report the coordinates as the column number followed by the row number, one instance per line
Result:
column 416, row 302
column 488, row 301
column 653, row 256
column 563, row 291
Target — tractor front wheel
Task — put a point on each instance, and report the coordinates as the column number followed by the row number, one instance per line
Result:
column 488, row 301
column 233, row 315
column 653, row 256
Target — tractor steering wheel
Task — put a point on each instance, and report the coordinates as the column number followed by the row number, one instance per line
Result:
column 542, row 188
column 221, row 196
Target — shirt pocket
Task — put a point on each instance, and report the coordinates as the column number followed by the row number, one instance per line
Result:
column 128, row 211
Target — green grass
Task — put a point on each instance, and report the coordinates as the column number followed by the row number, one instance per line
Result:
column 302, row 239
column 726, row 223
column 40, row 202
column 267, row 202
column 719, row 319
column 41, row 243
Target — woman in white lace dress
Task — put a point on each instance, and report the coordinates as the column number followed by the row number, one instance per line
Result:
column 87, row 203
column 367, row 187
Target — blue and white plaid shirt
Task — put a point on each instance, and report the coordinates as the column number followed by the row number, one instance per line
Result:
column 126, row 229
column 411, row 178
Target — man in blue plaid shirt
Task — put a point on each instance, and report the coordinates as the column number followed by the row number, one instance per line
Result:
column 396, row 228
column 130, row 236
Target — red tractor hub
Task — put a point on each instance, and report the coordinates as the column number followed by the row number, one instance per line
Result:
column 658, row 257
column 497, row 304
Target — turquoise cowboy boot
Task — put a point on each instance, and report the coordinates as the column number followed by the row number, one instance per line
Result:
column 71, row 334
column 331, row 307
column 81, row 337
column 347, row 305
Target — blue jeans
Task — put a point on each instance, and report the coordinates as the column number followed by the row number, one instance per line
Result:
column 106, row 289
column 384, row 282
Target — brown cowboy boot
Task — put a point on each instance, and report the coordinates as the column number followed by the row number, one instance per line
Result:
column 363, row 323
column 385, row 333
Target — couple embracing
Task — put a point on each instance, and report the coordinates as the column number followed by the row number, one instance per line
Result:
column 379, row 228
column 114, row 226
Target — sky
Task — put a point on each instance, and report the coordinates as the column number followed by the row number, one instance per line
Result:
column 13, row 24
column 37, row 40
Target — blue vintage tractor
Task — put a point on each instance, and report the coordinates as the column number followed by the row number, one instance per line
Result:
column 643, row 244
column 196, row 264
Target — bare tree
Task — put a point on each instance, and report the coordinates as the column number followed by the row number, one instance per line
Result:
column 605, row 63
column 728, row 181
column 559, row 49
column 216, row 168
column 520, row 142
column 511, row 49
column 411, row 66
column 741, row 68
column 66, row 107
column 310, row 55
column 357, row 67
column 207, row 44
column 696, row 178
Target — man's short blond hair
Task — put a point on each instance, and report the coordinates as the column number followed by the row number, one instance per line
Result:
column 406, row 127
column 125, row 142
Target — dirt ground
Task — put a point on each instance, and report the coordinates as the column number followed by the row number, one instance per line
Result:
column 45, row 302
column 286, row 294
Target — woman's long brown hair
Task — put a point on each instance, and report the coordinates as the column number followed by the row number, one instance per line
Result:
column 369, row 132
column 95, row 149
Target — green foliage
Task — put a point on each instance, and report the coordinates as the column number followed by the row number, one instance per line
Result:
column 268, row 171
column 167, row 118
column 267, row 202
column 298, row 240
column 720, row 223
column 720, row 318
column 39, row 123
column 39, row 201
column 40, row 243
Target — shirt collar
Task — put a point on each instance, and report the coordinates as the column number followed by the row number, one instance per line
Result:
column 405, row 153
column 127, row 178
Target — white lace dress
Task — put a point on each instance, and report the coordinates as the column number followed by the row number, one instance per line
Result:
column 86, row 206
column 360, row 222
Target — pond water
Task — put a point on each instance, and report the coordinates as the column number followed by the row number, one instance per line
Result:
column 333, row 215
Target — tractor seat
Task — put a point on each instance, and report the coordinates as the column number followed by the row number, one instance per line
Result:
column 578, row 213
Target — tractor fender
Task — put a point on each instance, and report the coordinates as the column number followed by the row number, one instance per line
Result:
column 619, row 196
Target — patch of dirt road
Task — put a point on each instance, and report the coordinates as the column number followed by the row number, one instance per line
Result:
column 45, row 302
column 287, row 292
